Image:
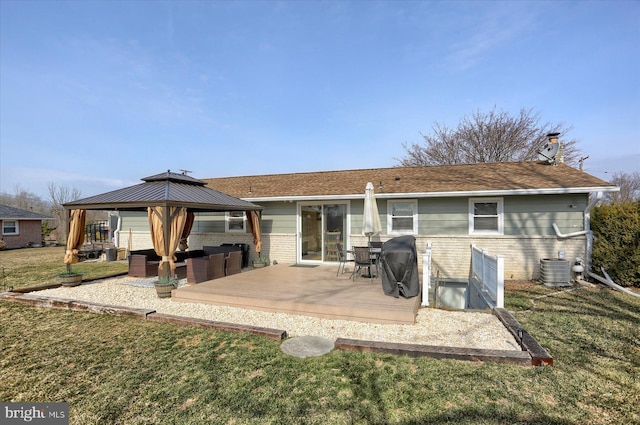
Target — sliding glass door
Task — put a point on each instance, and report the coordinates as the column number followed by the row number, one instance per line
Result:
column 321, row 228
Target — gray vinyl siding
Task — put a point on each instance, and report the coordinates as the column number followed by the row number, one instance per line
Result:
column 523, row 216
column 535, row 215
column 208, row 222
column 357, row 211
column 137, row 221
column 279, row 217
column 443, row 217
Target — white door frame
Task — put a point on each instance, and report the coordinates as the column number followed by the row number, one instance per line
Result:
column 347, row 230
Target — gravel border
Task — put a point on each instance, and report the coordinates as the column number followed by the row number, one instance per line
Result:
column 433, row 326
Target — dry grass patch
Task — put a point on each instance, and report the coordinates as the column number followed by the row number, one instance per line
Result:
column 36, row 266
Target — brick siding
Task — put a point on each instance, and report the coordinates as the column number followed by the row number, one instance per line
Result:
column 29, row 233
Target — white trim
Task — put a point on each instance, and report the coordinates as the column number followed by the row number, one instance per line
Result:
column 227, row 219
column 347, row 231
column 463, row 194
column 17, row 226
column 500, row 216
column 390, row 230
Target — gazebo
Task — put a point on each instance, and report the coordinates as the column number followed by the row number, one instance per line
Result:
column 170, row 199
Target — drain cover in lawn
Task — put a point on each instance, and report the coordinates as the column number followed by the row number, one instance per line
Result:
column 307, row 346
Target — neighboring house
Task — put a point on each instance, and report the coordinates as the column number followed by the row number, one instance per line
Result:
column 21, row 228
column 507, row 208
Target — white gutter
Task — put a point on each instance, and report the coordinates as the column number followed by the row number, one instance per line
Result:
column 465, row 193
column 587, row 228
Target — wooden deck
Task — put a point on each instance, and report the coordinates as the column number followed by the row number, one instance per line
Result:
column 309, row 291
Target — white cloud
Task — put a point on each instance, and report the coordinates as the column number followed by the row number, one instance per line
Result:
column 495, row 27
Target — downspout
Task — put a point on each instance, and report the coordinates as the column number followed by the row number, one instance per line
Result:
column 587, row 228
column 116, row 233
column 587, row 225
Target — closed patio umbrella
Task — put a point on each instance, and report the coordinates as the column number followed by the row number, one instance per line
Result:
column 371, row 220
column 75, row 238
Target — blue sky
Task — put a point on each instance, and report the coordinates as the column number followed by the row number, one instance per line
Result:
column 97, row 95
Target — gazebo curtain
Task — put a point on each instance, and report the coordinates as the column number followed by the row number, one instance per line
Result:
column 254, row 222
column 188, row 225
column 75, row 239
column 166, row 225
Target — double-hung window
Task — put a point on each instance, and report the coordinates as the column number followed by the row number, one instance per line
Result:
column 402, row 217
column 486, row 216
column 235, row 221
column 10, row 227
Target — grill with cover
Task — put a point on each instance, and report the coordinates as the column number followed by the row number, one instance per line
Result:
column 399, row 267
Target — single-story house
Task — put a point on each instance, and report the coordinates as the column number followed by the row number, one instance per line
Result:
column 525, row 211
column 21, row 228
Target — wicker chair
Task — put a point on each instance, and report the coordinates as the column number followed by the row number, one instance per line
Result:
column 233, row 263
column 216, row 266
column 205, row 268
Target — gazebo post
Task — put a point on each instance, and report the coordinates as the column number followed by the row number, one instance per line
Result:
column 68, row 232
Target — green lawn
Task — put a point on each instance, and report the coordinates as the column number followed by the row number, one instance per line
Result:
column 116, row 370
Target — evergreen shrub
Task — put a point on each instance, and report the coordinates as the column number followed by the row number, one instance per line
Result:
column 616, row 247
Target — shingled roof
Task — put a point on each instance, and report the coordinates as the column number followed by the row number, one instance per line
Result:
column 11, row 213
column 446, row 180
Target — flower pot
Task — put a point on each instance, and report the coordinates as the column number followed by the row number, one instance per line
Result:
column 163, row 289
column 259, row 265
column 71, row 279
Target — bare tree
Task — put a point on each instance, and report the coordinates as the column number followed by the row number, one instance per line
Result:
column 58, row 196
column 488, row 137
column 24, row 200
column 629, row 184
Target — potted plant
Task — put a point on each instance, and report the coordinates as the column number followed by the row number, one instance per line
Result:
column 260, row 262
column 70, row 277
column 164, row 285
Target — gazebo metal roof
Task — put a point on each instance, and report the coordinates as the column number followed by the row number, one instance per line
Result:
column 165, row 189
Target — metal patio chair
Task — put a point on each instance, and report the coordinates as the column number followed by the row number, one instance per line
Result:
column 361, row 258
column 343, row 258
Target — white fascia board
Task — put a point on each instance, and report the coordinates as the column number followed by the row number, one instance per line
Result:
column 466, row 193
column 508, row 192
column 304, row 198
